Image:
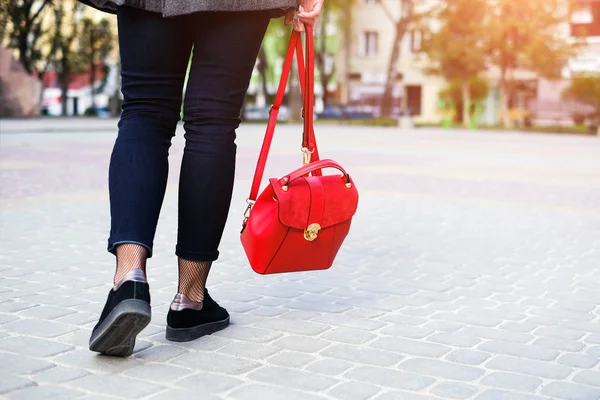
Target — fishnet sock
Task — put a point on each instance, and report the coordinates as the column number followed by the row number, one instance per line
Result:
column 129, row 257
column 192, row 278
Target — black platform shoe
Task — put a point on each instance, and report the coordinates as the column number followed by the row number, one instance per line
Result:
column 126, row 313
column 188, row 320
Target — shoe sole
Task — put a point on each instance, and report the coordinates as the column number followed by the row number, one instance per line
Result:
column 189, row 334
column 117, row 333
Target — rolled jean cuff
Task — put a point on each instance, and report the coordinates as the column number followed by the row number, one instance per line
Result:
column 114, row 242
column 199, row 256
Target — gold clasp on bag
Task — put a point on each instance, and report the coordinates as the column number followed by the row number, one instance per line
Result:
column 306, row 155
column 311, row 232
column 248, row 209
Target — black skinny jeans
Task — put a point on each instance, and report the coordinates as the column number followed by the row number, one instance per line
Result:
column 154, row 57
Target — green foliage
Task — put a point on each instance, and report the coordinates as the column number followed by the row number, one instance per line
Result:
column 585, row 88
column 457, row 50
column 21, row 28
column 524, row 35
column 478, row 87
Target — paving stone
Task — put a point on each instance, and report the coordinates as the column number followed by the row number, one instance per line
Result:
column 301, row 344
column 4, row 318
column 33, row 347
column 496, row 394
column 10, row 382
column 362, row 355
column 570, row 391
column 349, row 322
column 464, row 356
column 266, row 392
column 578, row 360
column 46, row 312
column 249, row 350
column 59, row 374
column 329, row 367
column 354, row 391
column 209, row 383
column 444, row 326
column 213, row 362
column 38, row 328
column 347, row 335
column 405, row 331
column 118, row 386
column 45, row 392
column 291, row 359
column 559, row 331
column 495, row 334
column 593, row 351
column 412, row 347
column 92, row 362
column 21, row 365
column 390, row 378
column 160, row 353
column 588, row 377
column 180, row 394
column 442, row 369
column 510, row 381
column 403, row 395
column 249, row 333
column 290, row 326
column 293, row 378
column 158, row 373
column 520, row 350
column 559, row 343
column 454, row 390
column 529, row 367
column 456, row 340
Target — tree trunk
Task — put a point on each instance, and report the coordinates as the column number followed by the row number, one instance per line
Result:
column 295, row 96
column 386, row 103
column 504, row 97
column 262, row 69
column 466, row 98
column 92, row 72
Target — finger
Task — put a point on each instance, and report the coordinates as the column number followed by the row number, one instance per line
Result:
column 309, row 21
column 298, row 25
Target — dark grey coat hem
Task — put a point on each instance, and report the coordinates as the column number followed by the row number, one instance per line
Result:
column 173, row 8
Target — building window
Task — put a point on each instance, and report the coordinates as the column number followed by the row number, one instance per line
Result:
column 416, row 41
column 369, row 43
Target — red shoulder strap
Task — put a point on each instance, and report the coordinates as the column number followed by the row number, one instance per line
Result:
column 306, row 73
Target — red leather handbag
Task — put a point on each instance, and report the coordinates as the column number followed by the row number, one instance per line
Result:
column 299, row 221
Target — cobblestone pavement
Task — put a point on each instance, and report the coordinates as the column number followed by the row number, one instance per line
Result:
column 472, row 272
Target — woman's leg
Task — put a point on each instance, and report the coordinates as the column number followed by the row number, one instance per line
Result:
column 154, row 56
column 225, row 50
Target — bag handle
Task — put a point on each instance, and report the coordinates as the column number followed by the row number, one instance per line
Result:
column 306, row 73
column 314, row 166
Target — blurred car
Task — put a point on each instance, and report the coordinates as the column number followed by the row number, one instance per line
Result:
column 338, row 111
column 253, row 113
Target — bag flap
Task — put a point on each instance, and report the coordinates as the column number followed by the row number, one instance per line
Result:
column 324, row 200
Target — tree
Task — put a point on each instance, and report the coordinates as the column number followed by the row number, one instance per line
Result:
column 96, row 43
column 68, row 60
column 410, row 15
column 457, row 49
column 23, row 29
column 325, row 47
column 523, row 35
column 585, row 88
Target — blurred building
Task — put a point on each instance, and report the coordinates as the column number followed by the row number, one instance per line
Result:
column 362, row 67
column 583, row 29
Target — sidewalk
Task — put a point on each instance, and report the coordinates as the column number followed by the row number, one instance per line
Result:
column 471, row 272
